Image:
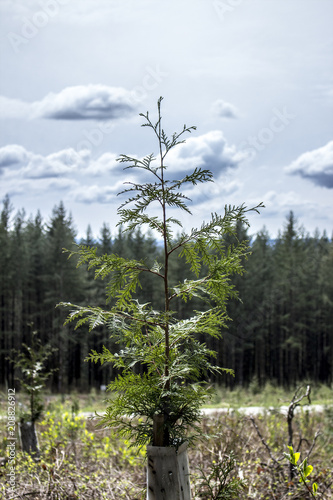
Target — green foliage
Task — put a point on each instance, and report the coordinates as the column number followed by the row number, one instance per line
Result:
column 78, row 461
column 161, row 359
column 59, row 428
column 31, row 363
column 303, row 470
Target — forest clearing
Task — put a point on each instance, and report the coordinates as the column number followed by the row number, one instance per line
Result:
column 240, row 458
column 166, row 267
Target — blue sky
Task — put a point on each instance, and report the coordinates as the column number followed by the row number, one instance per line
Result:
column 254, row 76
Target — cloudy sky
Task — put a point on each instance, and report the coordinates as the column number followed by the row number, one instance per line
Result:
column 254, row 76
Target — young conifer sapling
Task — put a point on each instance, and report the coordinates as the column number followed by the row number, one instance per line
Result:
column 160, row 403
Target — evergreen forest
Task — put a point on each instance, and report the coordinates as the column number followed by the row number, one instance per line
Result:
column 280, row 328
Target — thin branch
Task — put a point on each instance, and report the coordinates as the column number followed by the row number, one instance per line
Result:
column 262, row 439
column 316, row 436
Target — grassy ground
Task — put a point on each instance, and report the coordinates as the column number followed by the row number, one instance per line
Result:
column 267, row 396
column 241, row 458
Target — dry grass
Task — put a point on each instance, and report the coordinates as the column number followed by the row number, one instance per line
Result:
column 81, row 461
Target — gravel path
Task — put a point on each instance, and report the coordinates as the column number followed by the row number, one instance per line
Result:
column 248, row 410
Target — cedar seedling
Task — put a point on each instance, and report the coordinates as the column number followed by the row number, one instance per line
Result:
column 162, row 364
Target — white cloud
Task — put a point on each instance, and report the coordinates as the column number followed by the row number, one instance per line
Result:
column 224, row 109
column 86, row 102
column 104, row 164
column 56, row 164
column 13, row 154
column 315, row 165
column 59, row 170
column 96, row 193
column 81, row 102
column 65, row 162
column 208, row 151
column 16, row 161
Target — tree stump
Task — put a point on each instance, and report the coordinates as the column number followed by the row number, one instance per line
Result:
column 168, row 476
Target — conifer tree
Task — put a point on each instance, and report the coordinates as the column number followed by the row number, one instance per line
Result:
column 105, row 240
column 63, row 281
column 173, row 358
column 36, row 283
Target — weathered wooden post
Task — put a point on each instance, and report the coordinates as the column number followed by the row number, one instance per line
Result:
column 168, row 476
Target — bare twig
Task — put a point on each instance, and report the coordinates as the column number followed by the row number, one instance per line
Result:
column 318, row 433
column 290, row 415
column 262, row 439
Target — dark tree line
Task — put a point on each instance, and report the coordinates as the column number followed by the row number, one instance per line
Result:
column 281, row 331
